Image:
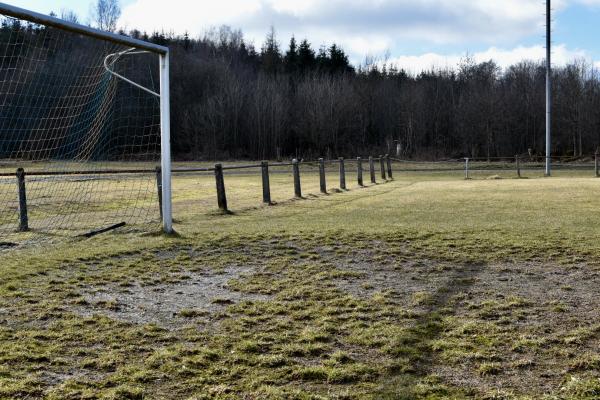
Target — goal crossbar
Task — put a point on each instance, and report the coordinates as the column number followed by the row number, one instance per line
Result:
column 140, row 45
column 42, row 19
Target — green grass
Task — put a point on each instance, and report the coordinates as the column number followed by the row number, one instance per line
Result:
column 427, row 287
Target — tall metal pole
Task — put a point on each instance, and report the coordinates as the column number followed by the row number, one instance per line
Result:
column 165, row 143
column 548, row 87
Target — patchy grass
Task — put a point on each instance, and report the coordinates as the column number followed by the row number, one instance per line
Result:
column 422, row 288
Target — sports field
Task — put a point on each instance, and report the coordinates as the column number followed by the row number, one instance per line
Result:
column 425, row 287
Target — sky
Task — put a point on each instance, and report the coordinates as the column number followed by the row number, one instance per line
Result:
column 412, row 34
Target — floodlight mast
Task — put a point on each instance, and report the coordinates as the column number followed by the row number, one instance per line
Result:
column 548, row 88
column 163, row 53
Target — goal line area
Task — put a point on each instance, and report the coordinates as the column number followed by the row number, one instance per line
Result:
column 81, row 125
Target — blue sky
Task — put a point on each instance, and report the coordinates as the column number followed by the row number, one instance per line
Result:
column 415, row 34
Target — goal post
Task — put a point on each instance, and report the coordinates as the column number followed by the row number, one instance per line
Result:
column 75, row 100
column 165, row 142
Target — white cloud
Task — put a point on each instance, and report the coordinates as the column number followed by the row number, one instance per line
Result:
column 362, row 26
column 367, row 27
column 592, row 3
column 503, row 57
column 182, row 15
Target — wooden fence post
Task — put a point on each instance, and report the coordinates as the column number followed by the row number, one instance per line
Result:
column 322, row 179
column 342, row 174
column 221, row 197
column 389, row 166
column 518, row 163
column 159, row 188
column 597, row 166
column 297, row 186
column 23, row 218
column 266, row 185
column 359, row 171
column 382, row 168
column 372, row 169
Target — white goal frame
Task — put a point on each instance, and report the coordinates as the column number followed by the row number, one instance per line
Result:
column 165, row 116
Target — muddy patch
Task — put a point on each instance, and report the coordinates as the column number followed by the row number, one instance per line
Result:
column 196, row 299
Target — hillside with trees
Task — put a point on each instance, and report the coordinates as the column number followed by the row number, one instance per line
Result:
column 232, row 100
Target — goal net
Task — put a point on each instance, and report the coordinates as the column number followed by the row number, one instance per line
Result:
column 81, row 116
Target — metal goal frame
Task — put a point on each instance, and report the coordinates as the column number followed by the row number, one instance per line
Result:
column 161, row 51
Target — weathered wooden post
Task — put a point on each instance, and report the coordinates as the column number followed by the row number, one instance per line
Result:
column 467, row 168
column 296, row 170
column 221, row 197
column 342, row 174
column 359, row 171
column 159, row 188
column 23, row 218
column 266, row 185
column 518, row 164
column 322, row 179
column 382, row 168
column 596, row 165
column 389, row 167
column 372, row 169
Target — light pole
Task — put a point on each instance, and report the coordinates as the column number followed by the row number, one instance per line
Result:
column 548, row 88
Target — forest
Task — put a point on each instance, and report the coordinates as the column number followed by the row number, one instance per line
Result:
column 231, row 100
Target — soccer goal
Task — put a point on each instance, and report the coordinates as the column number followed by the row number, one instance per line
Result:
column 84, row 127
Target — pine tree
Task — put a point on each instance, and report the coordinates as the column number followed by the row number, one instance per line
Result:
column 186, row 41
column 322, row 59
column 270, row 54
column 291, row 57
column 306, row 57
column 338, row 60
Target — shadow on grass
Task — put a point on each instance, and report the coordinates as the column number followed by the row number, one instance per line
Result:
column 417, row 344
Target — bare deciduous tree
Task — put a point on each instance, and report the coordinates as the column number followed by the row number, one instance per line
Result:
column 105, row 14
column 69, row 15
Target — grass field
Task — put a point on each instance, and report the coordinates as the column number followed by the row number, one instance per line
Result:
column 427, row 287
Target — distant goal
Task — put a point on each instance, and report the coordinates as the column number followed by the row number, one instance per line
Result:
column 84, row 127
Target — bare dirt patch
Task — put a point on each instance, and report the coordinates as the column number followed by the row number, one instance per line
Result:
column 199, row 297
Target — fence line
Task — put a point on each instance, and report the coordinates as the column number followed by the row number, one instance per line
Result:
column 385, row 165
column 219, row 174
column 479, row 165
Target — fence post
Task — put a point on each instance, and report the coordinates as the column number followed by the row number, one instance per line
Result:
column 297, row 186
column 372, row 169
column 266, row 185
column 596, row 166
column 23, row 218
column 221, row 197
column 389, row 166
column 159, row 188
column 359, row 171
column 342, row 174
column 518, row 163
column 467, row 168
column 322, row 180
column 382, row 167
